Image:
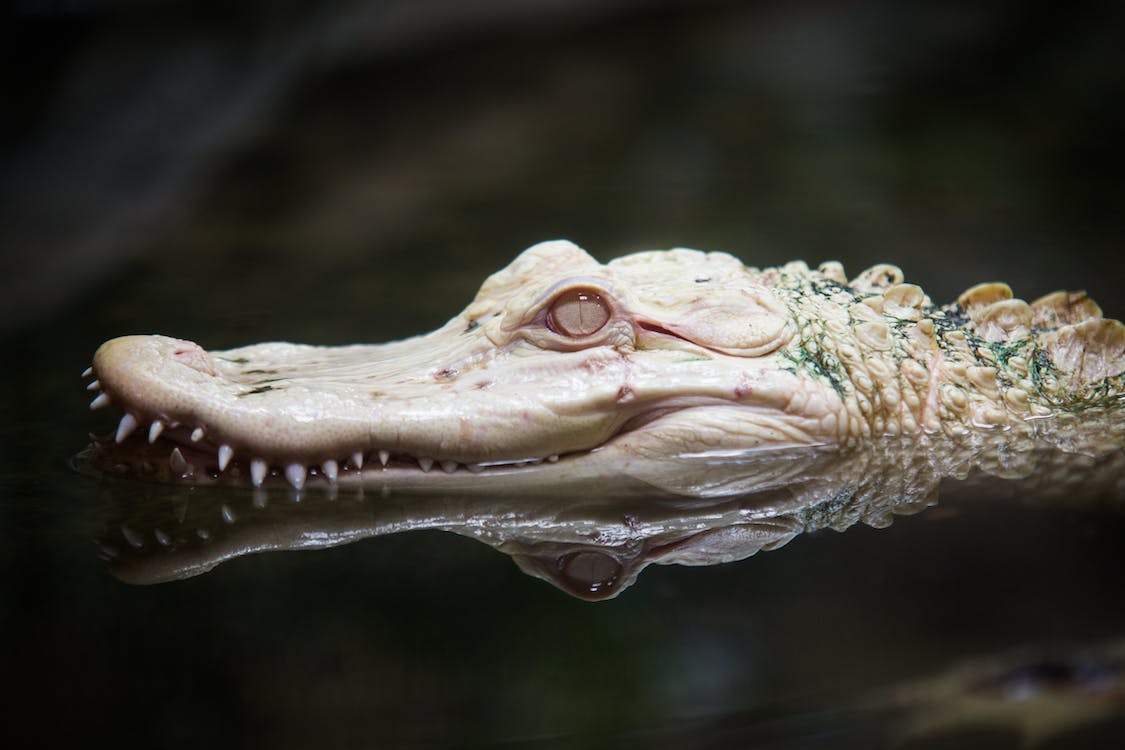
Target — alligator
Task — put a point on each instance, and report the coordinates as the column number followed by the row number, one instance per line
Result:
column 647, row 371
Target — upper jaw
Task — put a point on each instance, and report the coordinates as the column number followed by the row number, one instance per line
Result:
column 440, row 401
column 301, row 410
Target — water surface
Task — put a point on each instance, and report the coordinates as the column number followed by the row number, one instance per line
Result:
column 367, row 199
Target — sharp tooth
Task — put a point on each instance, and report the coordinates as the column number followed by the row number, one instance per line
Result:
column 553, row 457
column 94, row 386
column 163, row 538
column 357, row 459
column 449, row 466
column 197, row 434
column 228, row 514
column 384, row 456
column 125, row 427
column 101, row 400
column 88, row 372
column 295, row 473
column 225, row 455
column 258, row 471
column 154, row 430
column 475, row 468
column 133, row 538
column 426, row 463
column 330, row 469
column 177, row 461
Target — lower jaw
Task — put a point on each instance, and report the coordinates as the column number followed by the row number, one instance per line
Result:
column 179, row 462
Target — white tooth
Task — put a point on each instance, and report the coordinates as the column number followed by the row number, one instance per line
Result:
column 553, row 457
column 330, row 469
column 125, row 427
column 180, row 509
column 258, row 471
column 101, row 400
column 475, row 468
column 177, row 461
column 132, row 537
column 426, row 463
column 228, row 514
column 197, row 434
column 225, row 455
column 162, row 537
column 384, row 456
column 94, row 386
column 154, row 430
column 203, row 534
column 449, row 466
column 295, row 473
column 88, row 372
column 357, row 459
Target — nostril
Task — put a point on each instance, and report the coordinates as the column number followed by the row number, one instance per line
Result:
column 192, row 355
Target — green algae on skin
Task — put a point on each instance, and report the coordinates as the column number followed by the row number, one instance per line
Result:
column 564, row 370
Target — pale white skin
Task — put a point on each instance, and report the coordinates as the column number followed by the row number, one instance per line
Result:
column 672, row 357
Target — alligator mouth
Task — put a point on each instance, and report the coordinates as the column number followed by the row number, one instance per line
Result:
column 173, row 451
column 177, row 452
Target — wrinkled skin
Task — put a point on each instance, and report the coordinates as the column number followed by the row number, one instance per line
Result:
column 565, row 370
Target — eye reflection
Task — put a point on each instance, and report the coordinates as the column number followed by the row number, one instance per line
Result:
column 577, row 313
column 589, row 573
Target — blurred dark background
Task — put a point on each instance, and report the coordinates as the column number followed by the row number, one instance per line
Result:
column 350, row 171
column 964, row 141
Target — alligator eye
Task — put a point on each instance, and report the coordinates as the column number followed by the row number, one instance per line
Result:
column 577, row 313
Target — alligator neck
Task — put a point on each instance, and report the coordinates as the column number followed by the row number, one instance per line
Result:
column 984, row 364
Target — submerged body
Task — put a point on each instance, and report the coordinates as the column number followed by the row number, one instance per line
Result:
column 565, row 370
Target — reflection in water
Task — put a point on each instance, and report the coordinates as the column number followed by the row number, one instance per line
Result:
column 594, row 545
column 1039, row 695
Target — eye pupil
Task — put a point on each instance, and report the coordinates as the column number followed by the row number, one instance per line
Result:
column 578, row 312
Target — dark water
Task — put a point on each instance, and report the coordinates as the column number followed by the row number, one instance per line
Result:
column 251, row 177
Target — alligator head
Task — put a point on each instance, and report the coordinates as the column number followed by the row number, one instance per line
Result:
column 561, row 366
column 647, row 370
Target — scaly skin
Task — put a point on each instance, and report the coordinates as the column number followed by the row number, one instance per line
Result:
column 689, row 357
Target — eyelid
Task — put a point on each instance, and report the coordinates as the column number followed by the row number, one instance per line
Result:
column 595, row 283
column 542, row 308
column 535, row 329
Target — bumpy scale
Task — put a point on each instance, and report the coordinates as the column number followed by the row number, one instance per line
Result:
column 567, row 370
